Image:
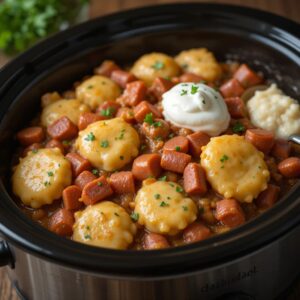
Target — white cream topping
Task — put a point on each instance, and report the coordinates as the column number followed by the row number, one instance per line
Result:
column 197, row 107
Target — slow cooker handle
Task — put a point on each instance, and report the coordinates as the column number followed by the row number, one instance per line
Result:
column 6, row 257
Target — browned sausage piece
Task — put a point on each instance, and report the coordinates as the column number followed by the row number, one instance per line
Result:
column 106, row 68
column 126, row 114
column 290, row 167
column 160, row 86
column 62, row 129
column 33, row 147
column 122, row 77
column 96, row 190
column 195, row 232
column 178, row 143
column 134, row 93
column 84, row 178
column 281, row 149
column 154, row 241
column 174, row 161
column 122, row 182
column 146, row 165
column 196, row 141
column 78, row 163
column 30, row 135
column 236, row 107
column 229, row 212
column 87, row 118
column 56, row 144
column 71, row 196
column 263, row 140
column 194, row 180
column 145, row 108
column 108, row 109
column 246, row 76
column 190, row 77
column 61, row 222
column 231, row 88
column 158, row 130
column 268, row 197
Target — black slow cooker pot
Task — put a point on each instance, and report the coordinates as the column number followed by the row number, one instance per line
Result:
column 258, row 260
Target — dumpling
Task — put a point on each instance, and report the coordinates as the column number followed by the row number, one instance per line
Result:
column 105, row 224
column 41, row 176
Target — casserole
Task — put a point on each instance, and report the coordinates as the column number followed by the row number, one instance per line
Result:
column 237, row 262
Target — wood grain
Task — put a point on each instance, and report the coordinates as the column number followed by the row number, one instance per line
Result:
column 286, row 8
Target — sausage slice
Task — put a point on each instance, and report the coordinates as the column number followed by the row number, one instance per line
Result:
column 174, row 161
column 263, row 140
column 30, row 135
column 78, row 163
column 122, row 182
column 178, row 143
column 146, row 165
column 194, row 181
column 290, row 167
column 62, row 129
column 61, row 222
column 71, row 196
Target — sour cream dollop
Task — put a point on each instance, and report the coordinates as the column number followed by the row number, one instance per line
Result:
column 197, row 107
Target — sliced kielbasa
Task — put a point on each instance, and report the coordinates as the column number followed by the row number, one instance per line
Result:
column 62, row 129
column 61, row 222
column 196, row 141
column 30, row 135
column 196, row 232
column 177, row 143
column 174, row 161
column 71, row 196
column 231, row 88
column 84, row 178
column 122, row 77
column 122, row 182
column 194, row 180
column 154, row 241
column 290, row 167
column 246, row 76
column 145, row 108
column 78, row 163
column 263, row 140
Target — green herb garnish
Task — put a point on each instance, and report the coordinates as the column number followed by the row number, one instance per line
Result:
column 224, row 158
column 177, row 148
column 108, row 112
column 104, row 144
column 163, row 178
column 116, row 214
column 194, row 89
column 95, row 172
column 100, row 183
column 183, row 92
column 88, row 237
column 164, row 204
column 90, row 137
column 157, row 196
column 34, row 151
column 134, row 216
column 185, row 208
column 50, row 173
column 158, row 65
column 157, row 124
column 121, row 135
column 47, row 183
column 149, row 119
column 179, row 189
column 238, row 128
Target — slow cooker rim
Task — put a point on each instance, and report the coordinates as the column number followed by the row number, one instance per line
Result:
column 64, row 258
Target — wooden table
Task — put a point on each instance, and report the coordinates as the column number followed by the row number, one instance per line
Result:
column 286, row 8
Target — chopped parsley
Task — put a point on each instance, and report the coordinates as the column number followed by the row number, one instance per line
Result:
column 134, row 216
column 171, row 184
column 183, row 92
column 90, row 87
column 163, row 204
column 194, row 89
column 87, row 227
column 168, row 197
column 121, row 135
column 95, row 172
column 179, row 189
column 47, row 183
column 158, row 138
column 171, row 135
column 88, row 237
column 104, row 144
column 157, row 124
column 100, row 183
column 238, row 128
column 157, row 196
column 90, row 137
column 34, row 151
column 108, row 112
column 158, row 65
column 163, row 178
column 224, row 158
column 50, row 173
column 122, row 157
column 66, row 143
column 149, row 119
column 177, row 148
column 116, row 214
column 143, row 147
column 185, row 208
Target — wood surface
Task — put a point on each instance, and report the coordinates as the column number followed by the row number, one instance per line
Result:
column 286, row 8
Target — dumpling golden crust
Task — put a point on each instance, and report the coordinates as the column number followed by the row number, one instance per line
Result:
column 105, row 224
column 97, row 90
column 108, row 145
column 162, row 208
column 200, row 62
column 150, row 66
column 234, row 167
column 70, row 108
column 41, row 176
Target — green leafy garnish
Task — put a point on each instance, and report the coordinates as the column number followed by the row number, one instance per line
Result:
column 90, row 137
column 179, row 189
column 238, row 128
column 149, row 119
column 185, row 208
column 95, row 172
column 134, row 216
column 164, row 204
column 121, row 135
column 158, row 65
column 104, row 144
column 47, row 183
column 157, row 196
column 100, row 183
column 116, row 214
column 183, row 92
column 194, row 89
column 157, row 124
column 50, row 173
column 66, row 143
column 224, row 158
column 107, row 112
column 88, row 237
column 163, row 178
column 34, row 151
column 177, row 148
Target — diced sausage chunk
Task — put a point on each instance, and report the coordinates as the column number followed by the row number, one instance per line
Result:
column 246, row 76
column 122, row 182
column 96, row 190
column 290, row 167
column 154, row 241
column 195, row 232
column 190, row 77
column 78, row 163
column 178, row 143
column 194, row 180
column 174, row 161
column 61, row 222
column 196, row 141
column 145, row 108
column 160, row 86
column 71, row 196
column 236, row 107
column 126, row 114
column 146, row 165
column 30, row 135
column 158, row 130
column 268, row 197
column 134, row 93
column 263, row 140
column 108, row 109
column 281, row 149
column 88, row 118
column 122, row 77
column 232, row 88
column 84, row 178
column 106, row 68
column 56, row 144
column 62, row 129
column 229, row 212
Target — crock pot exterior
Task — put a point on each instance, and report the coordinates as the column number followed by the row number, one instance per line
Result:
column 256, row 261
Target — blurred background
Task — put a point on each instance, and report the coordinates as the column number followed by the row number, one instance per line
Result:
column 25, row 22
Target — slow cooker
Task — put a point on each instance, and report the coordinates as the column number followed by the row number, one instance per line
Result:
column 258, row 260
